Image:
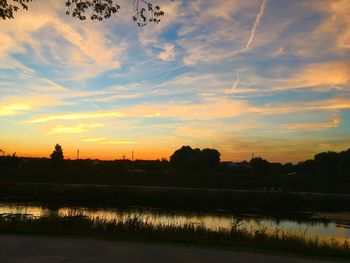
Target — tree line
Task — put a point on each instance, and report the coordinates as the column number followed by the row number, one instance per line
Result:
column 190, row 160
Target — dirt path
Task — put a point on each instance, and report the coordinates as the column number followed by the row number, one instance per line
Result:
column 15, row 248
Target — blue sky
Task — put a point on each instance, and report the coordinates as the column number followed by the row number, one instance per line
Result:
column 264, row 77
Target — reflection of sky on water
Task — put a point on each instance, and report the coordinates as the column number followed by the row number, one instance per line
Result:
column 312, row 228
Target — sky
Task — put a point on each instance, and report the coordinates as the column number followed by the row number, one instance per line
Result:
column 269, row 77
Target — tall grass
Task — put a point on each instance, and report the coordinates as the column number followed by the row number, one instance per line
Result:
column 135, row 229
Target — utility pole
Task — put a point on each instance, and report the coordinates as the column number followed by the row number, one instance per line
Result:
column 78, row 154
column 132, row 156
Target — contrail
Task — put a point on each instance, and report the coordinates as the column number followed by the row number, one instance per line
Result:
column 234, row 86
column 256, row 23
column 95, row 106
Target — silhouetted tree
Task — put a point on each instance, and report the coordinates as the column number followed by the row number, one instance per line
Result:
column 306, row 167
column 326, row 162
column 144, row 11
column 344, row 163
column 259, row 165
column 57, row 156
column 288, row 168
column 183, row 158
column 10, row 160
column 190, row 159
column 210, row 157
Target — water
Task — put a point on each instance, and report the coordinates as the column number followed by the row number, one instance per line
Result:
column 325, row 226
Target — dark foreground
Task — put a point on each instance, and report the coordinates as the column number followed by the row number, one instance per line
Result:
column 197, row 199
column 16, row 248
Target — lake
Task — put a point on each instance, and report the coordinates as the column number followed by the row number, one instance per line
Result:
column 326, row 226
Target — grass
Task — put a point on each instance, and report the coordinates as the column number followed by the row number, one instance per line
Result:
column 134, row 229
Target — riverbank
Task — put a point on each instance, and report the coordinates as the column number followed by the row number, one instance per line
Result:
column 172, row 197
column 136, row 230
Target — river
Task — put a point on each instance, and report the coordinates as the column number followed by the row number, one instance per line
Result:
column 325, row 226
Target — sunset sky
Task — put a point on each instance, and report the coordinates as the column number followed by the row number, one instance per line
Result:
column 255, row 76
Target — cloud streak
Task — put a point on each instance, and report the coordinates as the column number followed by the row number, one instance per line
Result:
column 76, row 116
column 13, row 109
column 79, row 128
column 255, row 25
column 104, row 140
column 313, row 126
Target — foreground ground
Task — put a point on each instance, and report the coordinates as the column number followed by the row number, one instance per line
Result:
column 16, row 248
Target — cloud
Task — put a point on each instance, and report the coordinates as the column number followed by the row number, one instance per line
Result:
column 216, row 32
column 73, row 50
column 331, row 74
column 221, row 9
column 332, row 104
column 168, row 53
column 79, row 128
column 325, row 29
column 23, row 104
column 279, row 51
column 314, row 126
column 328, row 104
column 319, row 77
column 77, row 116
column 337, row 23
column 149, row 36
column 207, row 110
column 13, row 109
column 118, row 142
column 103, row 140
column 202, row 111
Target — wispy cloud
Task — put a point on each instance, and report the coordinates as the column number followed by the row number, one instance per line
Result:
column 326, row 74
column 103, row 140
column 13, row 109
column 79, row 128
column 87, row 50
column 76, row 116
column 14, row 105
column 168, row 53
column 313, row 126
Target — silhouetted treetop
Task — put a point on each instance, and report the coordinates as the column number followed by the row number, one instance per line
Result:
column 327, row 163
column 57, row 156
column 259, row 165
column 144, row 10
column 211, row 157
column 187, row 158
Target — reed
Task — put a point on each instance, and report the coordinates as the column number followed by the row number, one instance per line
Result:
column 140, row 230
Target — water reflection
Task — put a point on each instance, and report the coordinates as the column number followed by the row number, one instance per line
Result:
column 325, row 226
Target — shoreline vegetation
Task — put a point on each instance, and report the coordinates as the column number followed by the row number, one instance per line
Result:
column 195, row 199
column 133, row 229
